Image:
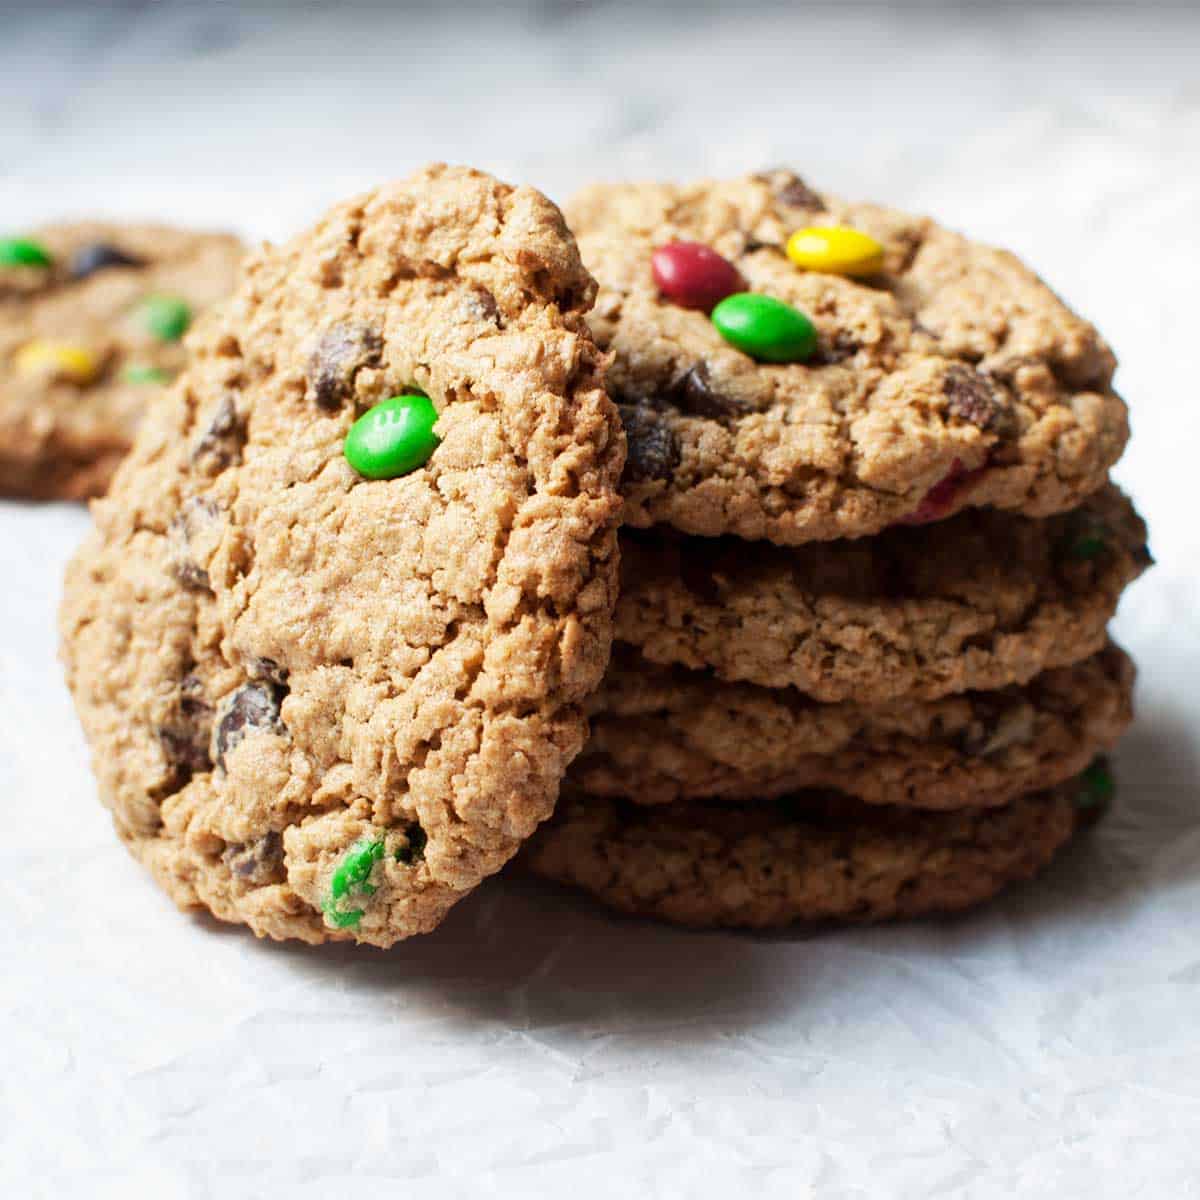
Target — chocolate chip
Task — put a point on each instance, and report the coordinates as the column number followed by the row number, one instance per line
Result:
column 791, row 190
column 483, row 303
column 220, row 445
column 259, row 862
column 653, row 447
column 1142, row 557
column 193, row 577
column 186, row 742
column 87, row 260
column 418, row 839
column 975, row 399
column 185, row 736
column 340, row 354
column 187, row 756
column 258, row 667
column 695, row 394
column 833, row 350
column 195, row 517
column 253, row 707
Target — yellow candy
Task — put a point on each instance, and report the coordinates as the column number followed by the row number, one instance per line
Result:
column 59, row 359
column 836, row 250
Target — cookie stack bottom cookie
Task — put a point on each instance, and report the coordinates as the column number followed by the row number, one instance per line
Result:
column 853, row 730
column 808, row 857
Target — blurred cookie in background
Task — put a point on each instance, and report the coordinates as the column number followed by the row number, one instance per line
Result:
column 92, row 321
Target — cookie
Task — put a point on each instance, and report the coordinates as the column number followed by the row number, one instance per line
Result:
column 661, row 735
column 980, row 601
column 844, row 394
column 813, row 857
column 327, row 699
column 91, row 323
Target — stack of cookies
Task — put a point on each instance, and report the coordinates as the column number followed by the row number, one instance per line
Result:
column 357, row 592
column 869, row 559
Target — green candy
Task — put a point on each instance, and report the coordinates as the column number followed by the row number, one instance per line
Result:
column 354, row 871
column 1087, row 538
column 342, row 920
column 393, row 438
column 1087, row 546
column 167, row 317
column 138, row 373
column 22, row 252
column 765, row 328
column 351, row 879
column 1096, row 786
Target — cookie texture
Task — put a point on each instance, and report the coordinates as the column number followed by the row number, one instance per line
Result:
column 813, row 857
column 327, row 706
column 63, row 431
column 953, row 377
column 661, row 735
column 980, row 601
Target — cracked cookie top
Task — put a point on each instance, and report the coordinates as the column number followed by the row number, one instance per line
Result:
column 949, row 376
column 92, row 317
column 325, row 705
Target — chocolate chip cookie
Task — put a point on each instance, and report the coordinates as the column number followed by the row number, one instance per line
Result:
column 811, row 857
column 662, row 734
column 864, row 368
column 92, row 318
column 327, row 699
column 980, row 601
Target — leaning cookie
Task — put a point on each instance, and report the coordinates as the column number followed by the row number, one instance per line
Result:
column 92, row 318
column 331, row 635
column 661, row 735
column 792, row 368
column 813, row 857
column 980, row 601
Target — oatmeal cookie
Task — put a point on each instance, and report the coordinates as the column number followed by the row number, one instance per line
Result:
column 326, row 701
column 662, row 734
column 834, row 393
column 980, row 601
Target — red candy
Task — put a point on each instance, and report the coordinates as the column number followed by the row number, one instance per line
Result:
column 694, row 275
column 941, row 497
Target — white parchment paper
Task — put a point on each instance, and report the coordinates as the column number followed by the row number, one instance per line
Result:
column 1046, row 1046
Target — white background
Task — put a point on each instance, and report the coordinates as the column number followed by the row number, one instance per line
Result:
column 1048, row 1046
